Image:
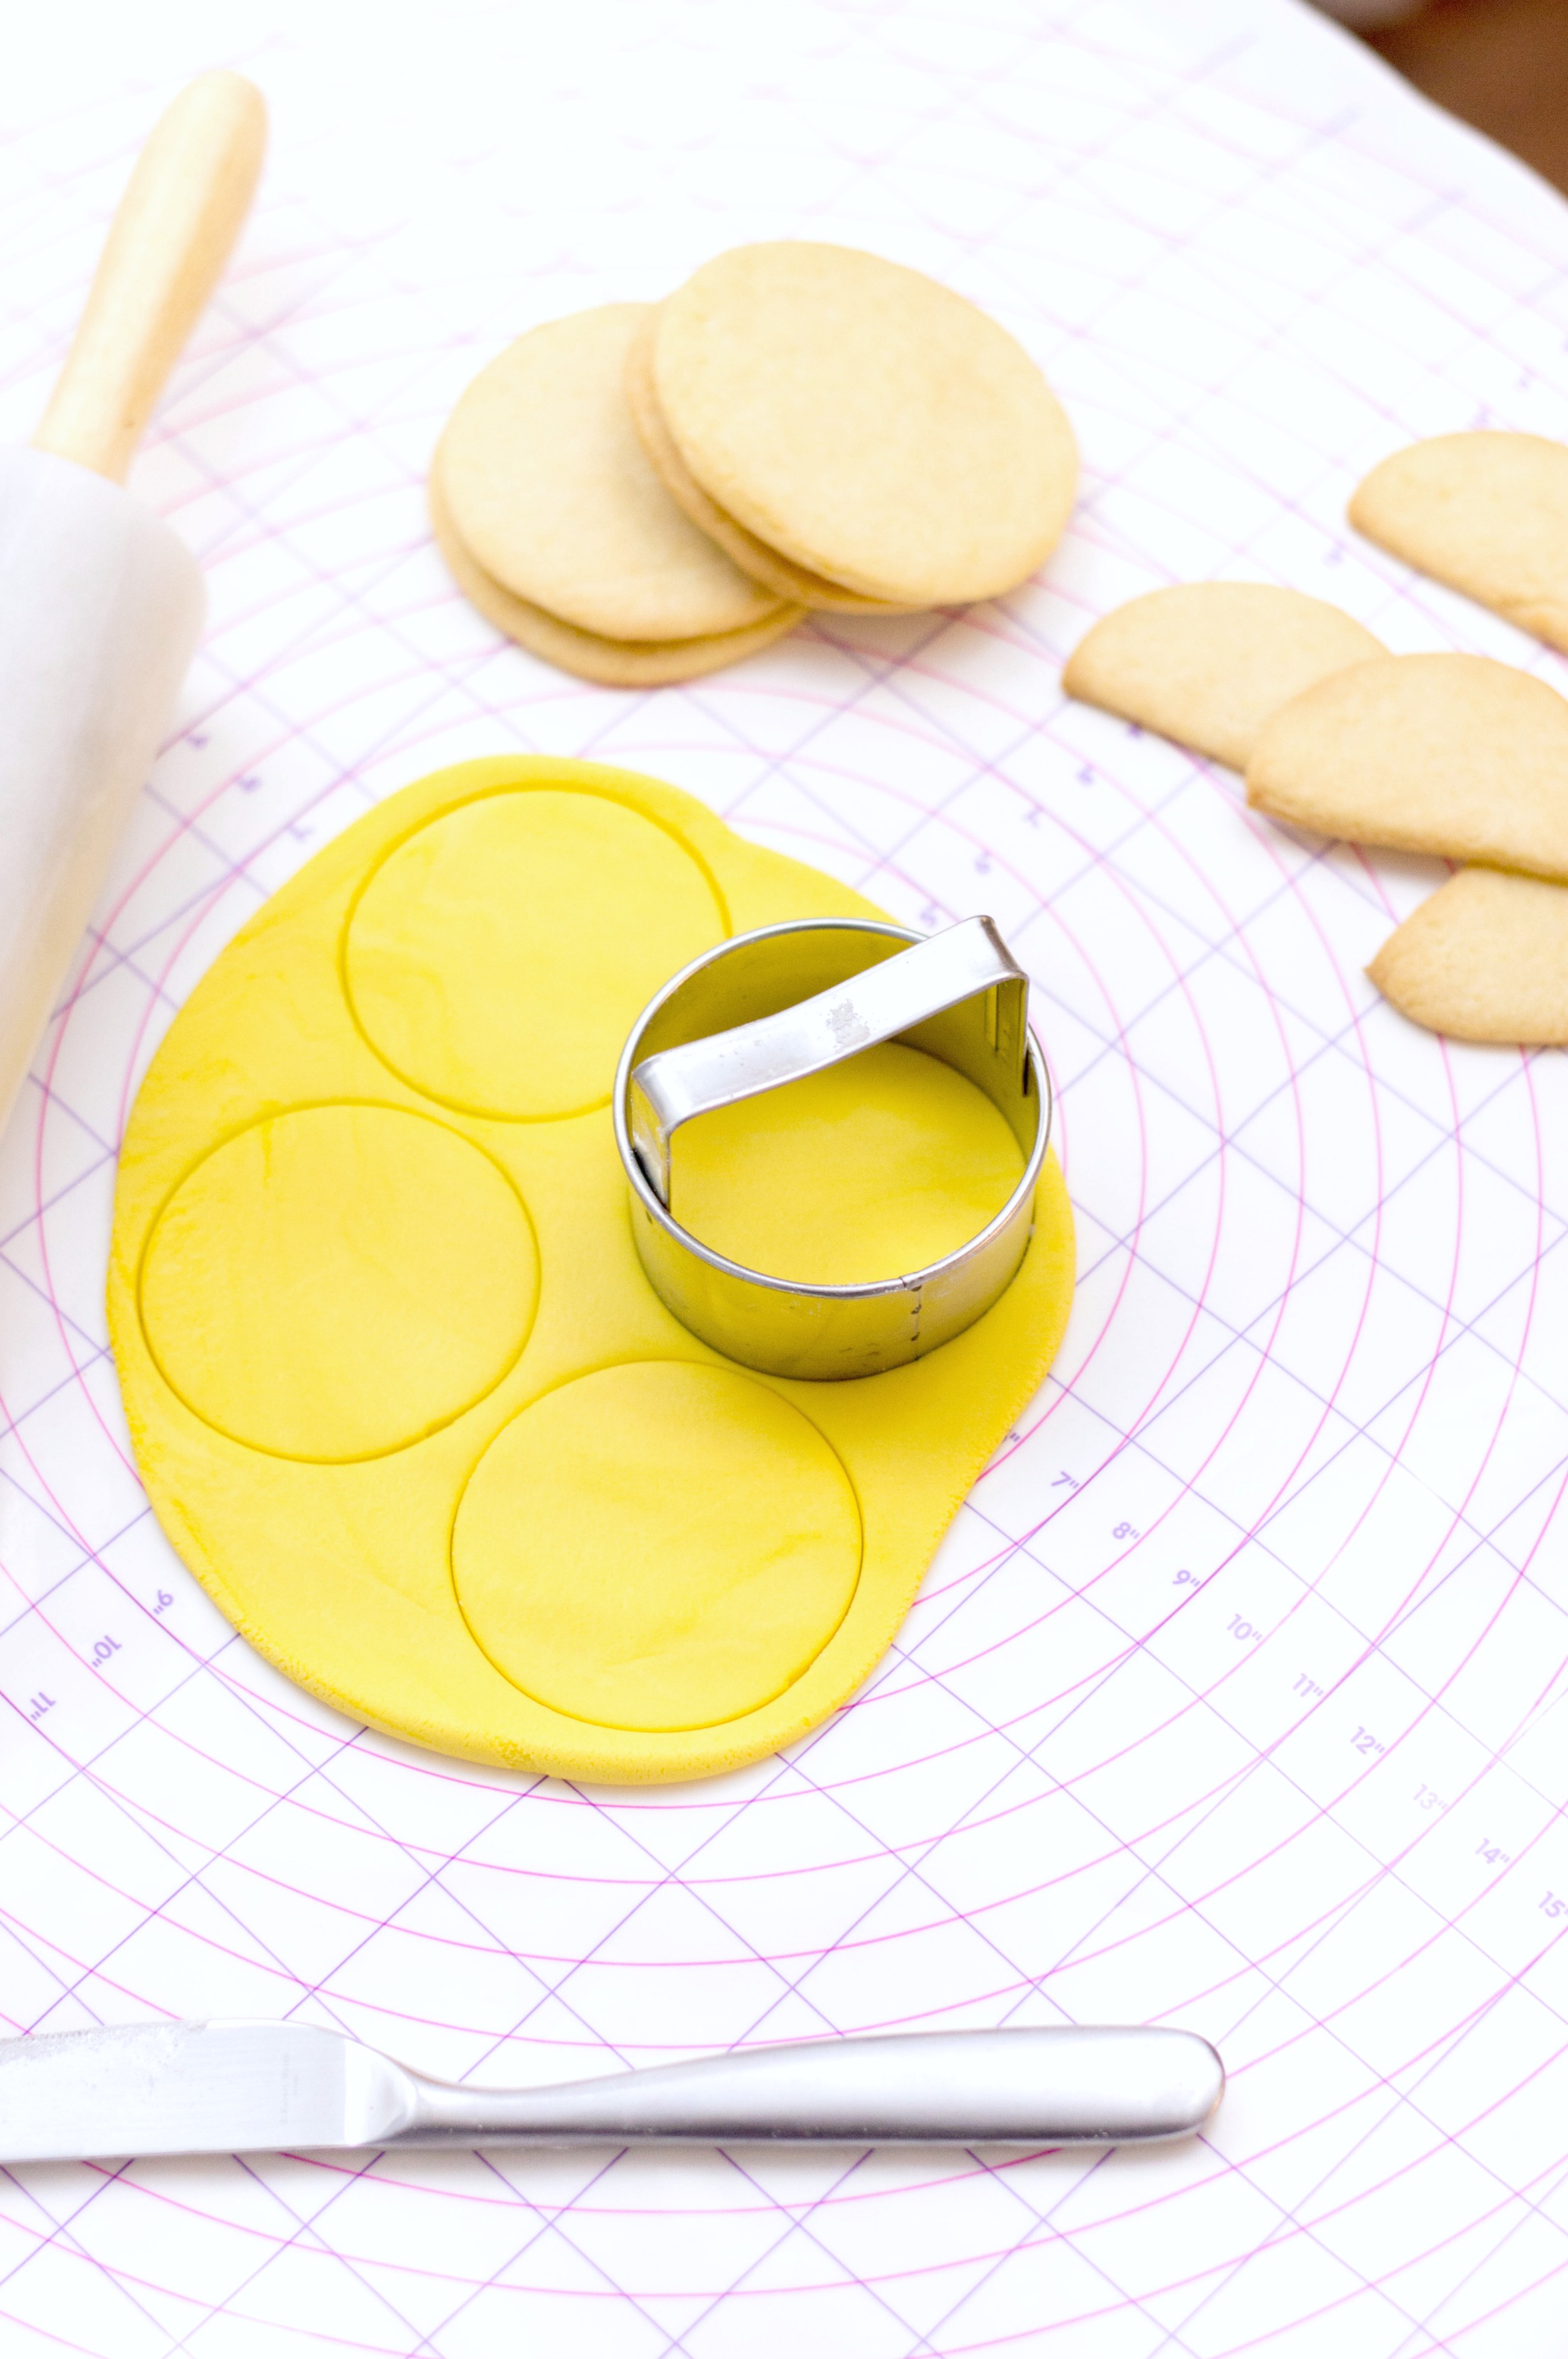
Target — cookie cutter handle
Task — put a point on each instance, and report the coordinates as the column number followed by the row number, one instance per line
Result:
column 674, row 1085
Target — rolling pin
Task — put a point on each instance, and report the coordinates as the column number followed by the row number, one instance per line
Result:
column 99, row 603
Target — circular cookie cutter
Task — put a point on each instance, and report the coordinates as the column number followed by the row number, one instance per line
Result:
column 770, row 1007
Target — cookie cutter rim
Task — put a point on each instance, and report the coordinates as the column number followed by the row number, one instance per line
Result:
column 796, row 1328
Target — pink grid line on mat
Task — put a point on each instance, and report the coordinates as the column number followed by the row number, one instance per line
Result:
column 1233, row 1697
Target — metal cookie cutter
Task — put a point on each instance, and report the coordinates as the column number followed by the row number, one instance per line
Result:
column 770, row 1007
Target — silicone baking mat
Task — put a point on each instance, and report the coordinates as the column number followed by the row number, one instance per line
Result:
column 1233, row 1700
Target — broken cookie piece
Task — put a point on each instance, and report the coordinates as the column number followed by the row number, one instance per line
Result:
column 1487, row 514
column 1484, row 959
column 1209, row 662
column 1446, row 753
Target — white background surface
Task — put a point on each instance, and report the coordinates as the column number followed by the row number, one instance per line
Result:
column 1233, row 1699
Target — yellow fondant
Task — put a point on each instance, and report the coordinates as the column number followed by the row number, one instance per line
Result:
column 498, row 956
column 265, row 1352
column 873, row 1169
column 662, row 1546
column 290, row 1247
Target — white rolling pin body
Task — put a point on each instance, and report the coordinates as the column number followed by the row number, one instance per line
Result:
column 99, row 610
column 100, row 605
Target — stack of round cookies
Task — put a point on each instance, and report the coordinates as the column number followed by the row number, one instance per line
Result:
column 644, row 493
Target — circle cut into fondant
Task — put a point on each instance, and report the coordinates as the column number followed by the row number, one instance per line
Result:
column 338, row 1281
column 870, row 1168
column 498, row 957
column 661, row 1545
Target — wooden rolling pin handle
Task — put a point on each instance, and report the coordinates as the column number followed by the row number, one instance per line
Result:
column 177, row 221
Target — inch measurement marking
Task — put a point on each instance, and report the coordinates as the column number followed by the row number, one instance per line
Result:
column 165, row 1600
column 103, row 1648
column 1247, row 1632
column 1125, row 1532
column 1365, row 1742
column 1427, row 1800
column 1492, row 1853
column 1185, row 1580
column 1553, row 1907
column 39, row 1704
column 1303, row 1686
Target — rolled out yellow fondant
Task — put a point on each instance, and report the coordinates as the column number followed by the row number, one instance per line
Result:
column 399, row 1391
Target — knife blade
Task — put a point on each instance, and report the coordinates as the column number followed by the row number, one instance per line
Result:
column 237, row 2087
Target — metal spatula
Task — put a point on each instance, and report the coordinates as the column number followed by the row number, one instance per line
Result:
column 228, row 2088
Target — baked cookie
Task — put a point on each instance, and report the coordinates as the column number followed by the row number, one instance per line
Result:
column 766, row 565
column 870, row 426
column 1446, row 753
column 612, row 663
column 543, row 479
column 1487, row 513
column 1208, row 662
column 1484, row 959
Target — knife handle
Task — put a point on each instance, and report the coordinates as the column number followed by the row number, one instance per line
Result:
column 1062, row 2085
column 177, row 221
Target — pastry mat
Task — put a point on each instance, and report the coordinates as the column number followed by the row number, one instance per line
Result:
column 1233, row 1697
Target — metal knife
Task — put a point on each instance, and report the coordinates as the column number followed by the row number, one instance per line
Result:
column 227, row 2088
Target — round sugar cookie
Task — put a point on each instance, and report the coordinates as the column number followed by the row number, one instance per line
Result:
column 547, row 485
column 768, row 565
column 864, row 423
column 611, row 663
column 401, row 1393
